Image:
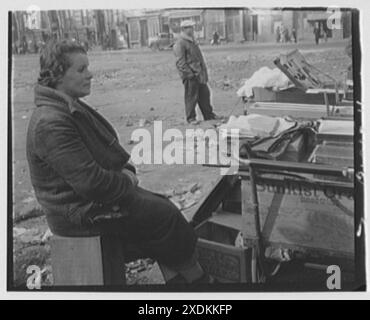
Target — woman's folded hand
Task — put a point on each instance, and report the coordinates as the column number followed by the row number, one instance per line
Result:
column 131, row 176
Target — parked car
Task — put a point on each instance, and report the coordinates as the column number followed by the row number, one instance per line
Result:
column 162, row 41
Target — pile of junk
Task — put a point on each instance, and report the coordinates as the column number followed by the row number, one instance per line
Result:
column 286, row 212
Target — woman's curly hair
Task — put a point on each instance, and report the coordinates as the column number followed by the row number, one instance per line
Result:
column 54, row 61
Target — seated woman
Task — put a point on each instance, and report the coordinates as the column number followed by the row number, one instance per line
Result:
column 82, row 177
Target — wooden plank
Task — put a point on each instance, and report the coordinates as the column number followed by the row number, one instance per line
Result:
column 292, row 167
column 291, row 106
column 338, row 155
column 213, row 200
column 76, row 261
column 301, row 111
column 232, row 200
column 302, row 74
column 227, row 219
column 337, row 127
column 113, row 260
column 249, row 228
column 298, row 111
column 336, row 130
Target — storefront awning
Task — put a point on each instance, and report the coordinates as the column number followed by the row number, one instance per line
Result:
column 318, row 16
column 184, row 13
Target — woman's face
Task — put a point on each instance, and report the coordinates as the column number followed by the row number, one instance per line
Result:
column 76, row 82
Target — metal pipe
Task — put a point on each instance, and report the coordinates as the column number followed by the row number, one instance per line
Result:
column 254, row 199
column 298, row 167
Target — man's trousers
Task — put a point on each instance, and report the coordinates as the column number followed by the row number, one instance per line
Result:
column 197, row 93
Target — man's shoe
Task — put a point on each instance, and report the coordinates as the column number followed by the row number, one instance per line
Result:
column 215, row 117
column 194, row 122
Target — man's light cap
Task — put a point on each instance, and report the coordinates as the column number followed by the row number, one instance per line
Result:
column 187, row 23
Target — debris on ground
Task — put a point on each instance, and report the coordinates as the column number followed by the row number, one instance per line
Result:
column 28, row 252
column 148, row 272
column 177, row 204
column 18, row 231
column 143, row 271
column 31, row 210
column 139, row 265
column 129, row 123
column 47, row 235
column 143, row 122
column 185, row 197
column 226, row 83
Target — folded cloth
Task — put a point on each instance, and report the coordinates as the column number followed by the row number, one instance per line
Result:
column 264, row 78
column 274, row 147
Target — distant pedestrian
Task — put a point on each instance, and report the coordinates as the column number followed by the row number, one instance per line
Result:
column 35, row 47
column 24, row 45
column 282, row 30
column 193, row 72
column 294, row 35
column 85, row 44
column 277, row 32
column 41, row 45
column 286, row 35
column 105, row 42
column 316, row 32
column 215, row 38
column 348, row 48
column 325, row 36
column 14, row 48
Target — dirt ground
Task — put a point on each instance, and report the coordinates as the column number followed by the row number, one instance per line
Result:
column 130, row 85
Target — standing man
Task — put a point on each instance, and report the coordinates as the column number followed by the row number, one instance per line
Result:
column 316, row 32
column 286, row 35
column 294, row 35
column 282, row 33
column 193, row 72
column 325, row 35
column 216, row 37
column 278, row 34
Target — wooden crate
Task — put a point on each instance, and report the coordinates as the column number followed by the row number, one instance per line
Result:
column 82, row 261
column 217, row 252
column 312, row 220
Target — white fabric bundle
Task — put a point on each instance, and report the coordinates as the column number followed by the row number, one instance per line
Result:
column 264, row 78
column 255, row 125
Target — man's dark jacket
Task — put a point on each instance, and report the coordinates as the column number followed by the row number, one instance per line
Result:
column 74, row 157
column 190, row 62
